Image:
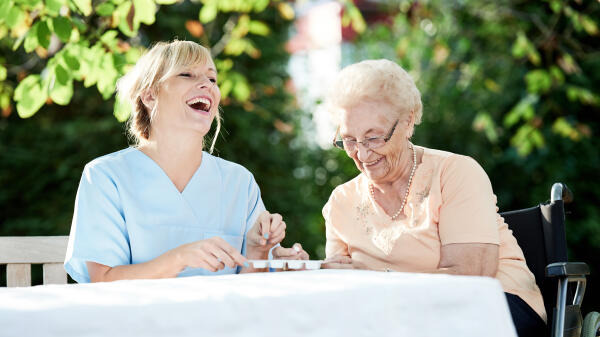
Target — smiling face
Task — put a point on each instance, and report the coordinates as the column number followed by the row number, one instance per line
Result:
column 369, row 119
column 187, row 100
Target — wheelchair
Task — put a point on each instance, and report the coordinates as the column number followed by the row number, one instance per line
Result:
column 540, row 232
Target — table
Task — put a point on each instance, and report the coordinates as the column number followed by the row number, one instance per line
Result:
column 300, row 303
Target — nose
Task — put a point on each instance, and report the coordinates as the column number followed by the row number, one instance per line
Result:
column 204, row 82
column 362, row 152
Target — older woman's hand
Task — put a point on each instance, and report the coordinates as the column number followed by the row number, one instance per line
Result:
column 294, row 253
column 338, row 262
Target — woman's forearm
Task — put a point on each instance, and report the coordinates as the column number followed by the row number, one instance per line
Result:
column 165, row 266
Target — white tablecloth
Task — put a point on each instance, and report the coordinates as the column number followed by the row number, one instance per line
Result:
column 307, row 303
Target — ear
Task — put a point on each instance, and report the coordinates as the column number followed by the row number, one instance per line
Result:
column 149, row 99
column 410, row 125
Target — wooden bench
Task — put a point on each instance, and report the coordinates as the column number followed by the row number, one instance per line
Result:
column 20, row 252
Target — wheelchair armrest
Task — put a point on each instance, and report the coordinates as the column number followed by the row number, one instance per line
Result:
column 565, row 269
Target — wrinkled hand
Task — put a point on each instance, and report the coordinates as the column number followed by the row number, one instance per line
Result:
column 211, row 254
column 294, row 253
column 338, row 262
column 268, row 231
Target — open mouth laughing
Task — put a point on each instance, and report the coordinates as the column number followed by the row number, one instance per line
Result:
column 201, row 104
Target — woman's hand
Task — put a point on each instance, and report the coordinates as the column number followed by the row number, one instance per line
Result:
column 338, row 262
column 211, row 254
column 267, row 231
column 294, row 253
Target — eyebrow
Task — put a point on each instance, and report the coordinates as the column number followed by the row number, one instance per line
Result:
column 346, row 135
column 211, row 69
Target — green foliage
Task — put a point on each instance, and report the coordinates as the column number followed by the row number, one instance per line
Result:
column 97, row 36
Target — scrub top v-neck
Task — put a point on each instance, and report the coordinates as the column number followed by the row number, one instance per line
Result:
column 128, row 211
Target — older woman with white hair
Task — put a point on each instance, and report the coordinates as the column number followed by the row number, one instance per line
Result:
column 164, row 207
column 411, row 208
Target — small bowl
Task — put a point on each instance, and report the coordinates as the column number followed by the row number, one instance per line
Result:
column 312, row 264
column 259, row 263
column 277, row 263
column 295, row 264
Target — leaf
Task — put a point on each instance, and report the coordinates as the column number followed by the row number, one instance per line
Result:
column 145, row 11
column 522, row 140
column 2, row 73
column 235, row 47
column 14, row 17
column 122, row 109
column 582, row 95
column 92, row 66
column 109, row 38
column 260, row 5
column 107, row 77
column 258, row 28
column 242, row 26
column 62, row 27
column 62, row 94
column 105, row 9
column 29, row 3
column 62, row 76
column 124, row 16
column 484, row 122
column 241, row 88
column 565, row 129
column 226, row 87
column 5, row 7
column 589, row 25
column 224, row 65
column 208, row 12
column 71, row 62
column 557, row 75
column 53, row 6
column 43, row 34
column 30, row 96
column 85, row 6
column 165, row 2
column 538, row 81
column 286, row 11
column 61, row 89
column 556, row 6
column 31, row 40
column 523, row 110
column 79, row 24
column 358, row 22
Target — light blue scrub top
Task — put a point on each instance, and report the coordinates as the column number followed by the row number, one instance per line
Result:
column 128, row 211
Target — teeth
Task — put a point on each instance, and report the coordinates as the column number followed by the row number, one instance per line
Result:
column 372, row 163
column 200, row 100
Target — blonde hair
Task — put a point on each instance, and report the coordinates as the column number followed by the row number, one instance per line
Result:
column 376, row 80
column 151, row 70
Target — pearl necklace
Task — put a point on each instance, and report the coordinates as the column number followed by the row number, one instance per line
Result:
column 412, row 173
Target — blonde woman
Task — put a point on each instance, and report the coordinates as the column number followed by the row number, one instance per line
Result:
column 411, row 208
column 164, row 207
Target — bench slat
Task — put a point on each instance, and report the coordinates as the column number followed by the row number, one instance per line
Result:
column 18, row 275
column 54, row 273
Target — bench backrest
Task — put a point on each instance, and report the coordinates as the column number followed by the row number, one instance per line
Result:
column 20, row 252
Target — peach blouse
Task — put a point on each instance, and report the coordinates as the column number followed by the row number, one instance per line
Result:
column 450, row 201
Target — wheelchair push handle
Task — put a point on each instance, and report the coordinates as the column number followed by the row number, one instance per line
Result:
column 560, row 191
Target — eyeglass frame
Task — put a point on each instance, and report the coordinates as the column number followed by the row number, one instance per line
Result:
column 365, row 142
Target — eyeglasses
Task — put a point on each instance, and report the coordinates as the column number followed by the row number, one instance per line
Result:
column 371, row 143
